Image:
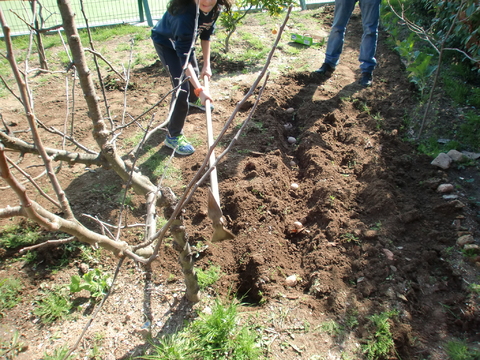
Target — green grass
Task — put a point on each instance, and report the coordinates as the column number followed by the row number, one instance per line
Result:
column 58, row 354
column 9, row 293
column 15, row 236
column 212, row 336
column 53, row 304
column 459, row 350
column 158, row 164
column 456, row 88
column 209, row 276
column 58, row 59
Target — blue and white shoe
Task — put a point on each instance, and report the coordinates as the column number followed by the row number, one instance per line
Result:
column 180, row 144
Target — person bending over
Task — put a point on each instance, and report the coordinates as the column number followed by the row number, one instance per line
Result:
column 173, row 36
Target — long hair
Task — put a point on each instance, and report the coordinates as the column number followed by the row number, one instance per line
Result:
column 177, row 6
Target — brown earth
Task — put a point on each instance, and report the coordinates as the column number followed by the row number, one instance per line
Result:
column 376, row 235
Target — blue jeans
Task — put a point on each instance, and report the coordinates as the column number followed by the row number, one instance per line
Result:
column 172, row 62
column 370, row 10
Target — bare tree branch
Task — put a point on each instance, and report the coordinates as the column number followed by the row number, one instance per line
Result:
column 47, row 243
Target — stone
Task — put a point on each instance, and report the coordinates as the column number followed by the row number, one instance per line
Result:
column 456, row 155
column 471, row 155
column 465, row 239
column 291, row 280
column 445, row 188
column 442, row 161
column 84, row 268
column 388, row 254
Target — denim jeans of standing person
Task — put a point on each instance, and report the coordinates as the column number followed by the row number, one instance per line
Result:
column 370, row 10
column 171, row 61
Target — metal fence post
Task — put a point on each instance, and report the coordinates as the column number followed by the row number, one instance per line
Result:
column 303, row 4
column 143, row 4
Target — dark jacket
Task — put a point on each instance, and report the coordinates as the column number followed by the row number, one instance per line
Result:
column 177, row 31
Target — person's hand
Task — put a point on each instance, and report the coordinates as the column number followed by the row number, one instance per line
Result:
column 204, row 96
column 206, row 71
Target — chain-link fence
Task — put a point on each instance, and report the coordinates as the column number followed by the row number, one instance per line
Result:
column 44, row 14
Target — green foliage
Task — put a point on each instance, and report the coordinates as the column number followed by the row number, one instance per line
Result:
column 53, row 304
column 456, row 88
column 469, row 131
column 474, row 288
column 9, row 289
column 208, row 277
column 380, row 342
column 432, row 147
column 459, row 350
column 231, row 19
column 437, row 17
column 420, row 70
column 95, row 281
column 212, row 336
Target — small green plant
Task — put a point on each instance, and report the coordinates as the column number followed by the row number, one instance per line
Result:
column 10, row 349
column 351, row 320
column 215, row 335
column 420, row 70
column 379, row 120
column 459, row 350
column 9, row 293
column 58, row 354
column 474, row 288
column 349, row 237
column 95, row 352
column 95, row 281
column 377, row 226
column 208, row 277
column 53, row 304
column 257, row 193
column 380, row 343
column 332, row 328
column 89, row 255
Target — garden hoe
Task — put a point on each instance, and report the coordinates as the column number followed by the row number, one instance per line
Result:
column 214, row 211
